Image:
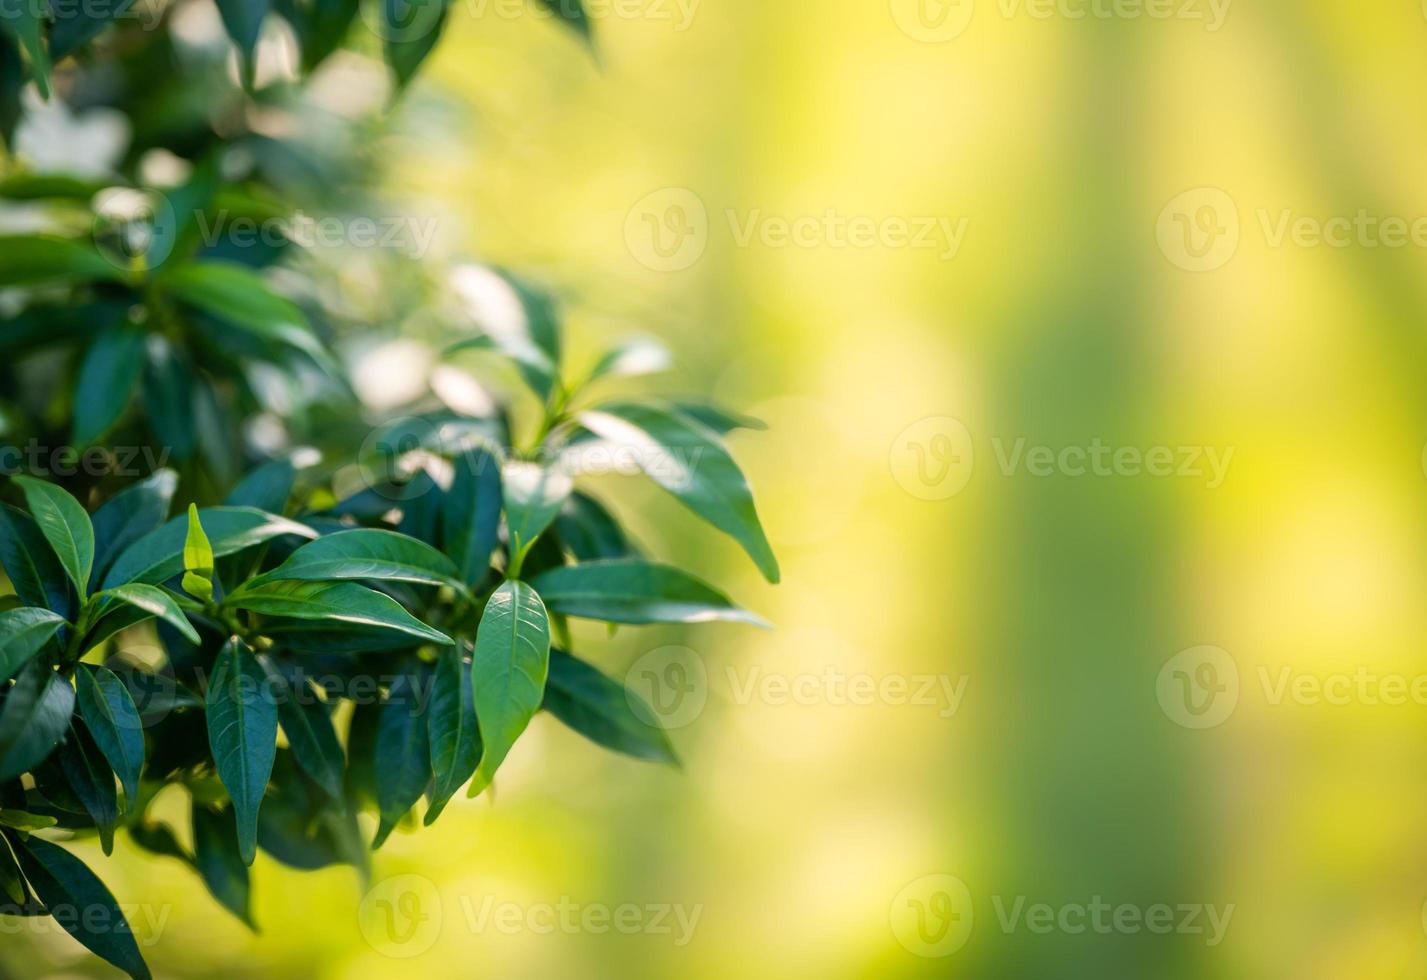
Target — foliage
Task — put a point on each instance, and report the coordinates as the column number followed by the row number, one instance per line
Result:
column 397, row 605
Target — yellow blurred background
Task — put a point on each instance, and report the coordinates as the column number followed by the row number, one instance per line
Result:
column 914, row 237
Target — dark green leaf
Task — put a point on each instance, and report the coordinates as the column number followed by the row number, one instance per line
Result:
column 157, row 838
column 242, row 732
column 65, row 524
column 631, row 590
column 533, row 496
column 127, row 516
column 76, row 24
column 23, row 633
column 168, row 399
column 106, row 380
column 341, row 602
column 158, row 555
column 219, row 861
column 590, row 531
column 571, row 12
column 410, row 29
column 34, row 717
column 512, row 656
column 365, row 553
column 452, row 730
column 62, row 881
column 720, row 420
column 243, row 20
column 44, row 260
column 31, row 564
column 599, row 709
column 108, row 709
column 403, row 759
column 266, row 488
column 687, row 459
column 91, row 780
column 308, row 727
column 471, row 512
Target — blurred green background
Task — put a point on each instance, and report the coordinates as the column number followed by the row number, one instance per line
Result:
column 1020, row 745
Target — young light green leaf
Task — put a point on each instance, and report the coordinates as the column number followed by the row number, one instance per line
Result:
column 342, row 602
column 600, row 709
column 106, row 380
column 533, row 496
column 452, row 731
column 23, row 633
column 512, row 657
column 308, row 727
column 154, row 601
column 108, row 710
column 687, row 459
column 631, row 590
column 219, row 860
column 242, row 732
column 197, row 560
column 403, row 761
column 127, row 516
column 65, row 524
column 158, row 555
column 62, row 881
column 363, row 554
column 33, row 719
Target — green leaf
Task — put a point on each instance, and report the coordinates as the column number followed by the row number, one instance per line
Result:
column 451, row 729
column 572, row 12
column 78, row 24
column 108, row 709
column 220, row 862
column 127, row 516
column 20, row 820
column 31, row 564
column 61, row 880
column 410, row 29
column 34, row 717
column 25, row 23
column 321, row 26
column 512, row 657
column 534, row 364
column 634, row 357
column 240, row 297
column 197, row 559
column 403, row 761
column 363, row 554
column 533, row 496
column 154, row 601
column 159, row 839
column 243, row 20
column 720, row 420
column 242, row 732
column 106, row 381
column 687, row 459
column 342, row 602
column 471, row 512
column 599, row 709
column 168, row 398
column 15, row 896
column 23, row 633
column 45, row 260
column 631, row 590
column 65, row 524
column 158, row 555
column 266, row 488
column 590, row 531
column 308, row 727
column 91, row 780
